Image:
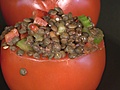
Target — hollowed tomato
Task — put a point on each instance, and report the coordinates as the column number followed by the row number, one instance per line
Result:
column 26, row 73
column 16, row 10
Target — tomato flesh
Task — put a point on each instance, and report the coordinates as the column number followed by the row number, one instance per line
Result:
column 82, row 73
column 9, row 36
column 40, row 21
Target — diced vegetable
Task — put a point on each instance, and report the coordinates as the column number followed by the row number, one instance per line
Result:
column 53, row 33
column 10, row 35
column 40, row 21
column 99, row 37
column 33, row 27
column 53, row 16
column 85, row 21
column 85, row 29
column 23, row 45
column 23, row 35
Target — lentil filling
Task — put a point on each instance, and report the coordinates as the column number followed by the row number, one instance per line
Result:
column 54, row 36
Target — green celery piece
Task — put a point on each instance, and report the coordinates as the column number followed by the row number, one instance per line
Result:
column 85, row 21
column 99, row 37
column 23, row 45
column 85, row 29
column 97, row 40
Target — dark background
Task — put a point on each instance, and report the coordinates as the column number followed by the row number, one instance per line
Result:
column 109, row 22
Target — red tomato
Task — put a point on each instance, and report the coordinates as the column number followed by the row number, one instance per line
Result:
column 33, row 27
column 9, row 36
column 40, row 21
column 82, row 73
column 16, row 10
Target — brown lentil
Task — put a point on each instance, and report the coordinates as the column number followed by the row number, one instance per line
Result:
column 65, row 17
column 28, row 20
column 46, row 41
column 52, row 12
column 63, row 54
column 79, row 50
column 64, row 35
column 41, row 31
column 51, row 55
column 72, row 55
column 64, row 41
column 54, row 28
column 72, row 26
column 20, row 52
column 56, row 47
column 13, row 48
column 15, row 40
column 36, row 55
column 59, row 10
column 23, row 71
column 30, row 53
column 55, row 39
column 57, row 55
column 69, row 49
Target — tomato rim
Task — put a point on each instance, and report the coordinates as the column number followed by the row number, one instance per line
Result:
column 101, row 46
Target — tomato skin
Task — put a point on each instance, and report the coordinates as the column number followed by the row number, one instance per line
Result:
column 82, row 73
column 16, row 10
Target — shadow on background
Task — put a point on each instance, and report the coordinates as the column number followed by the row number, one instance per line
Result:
column 109, row 22
column 111, row 75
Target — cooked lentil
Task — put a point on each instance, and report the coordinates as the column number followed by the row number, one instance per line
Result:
column 20, row 52
column 23, row 71
column 64, row 34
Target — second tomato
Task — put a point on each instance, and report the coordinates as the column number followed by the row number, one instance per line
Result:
column 16, row 10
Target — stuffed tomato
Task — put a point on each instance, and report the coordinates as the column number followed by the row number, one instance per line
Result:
column 55, row 52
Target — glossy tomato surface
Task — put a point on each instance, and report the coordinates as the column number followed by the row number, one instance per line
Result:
column 16, row 10
column 82, row 73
